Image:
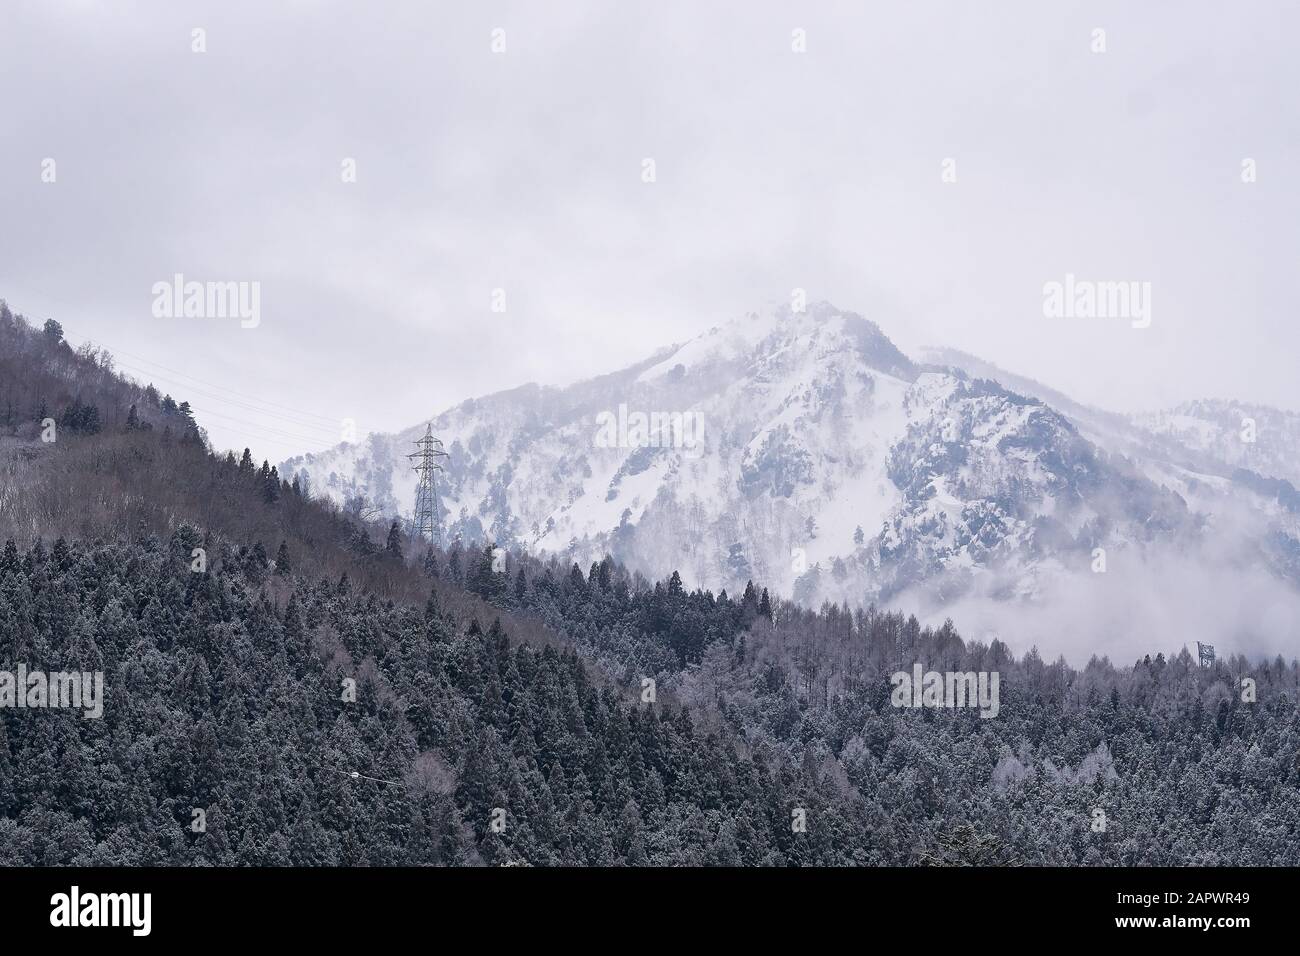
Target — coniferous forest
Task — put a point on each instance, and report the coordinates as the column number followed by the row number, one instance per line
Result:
column 289, row 682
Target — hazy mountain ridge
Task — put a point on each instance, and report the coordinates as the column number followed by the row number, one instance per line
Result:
column 1206, row 436
column 833, row 466
column 1243, row 435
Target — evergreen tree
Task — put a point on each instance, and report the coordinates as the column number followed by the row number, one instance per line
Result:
column 270, row 481
column 394, row 546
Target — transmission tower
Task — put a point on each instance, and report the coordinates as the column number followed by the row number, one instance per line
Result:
column 427, row 463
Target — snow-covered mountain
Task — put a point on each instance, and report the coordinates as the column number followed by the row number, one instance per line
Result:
column 1253, row 437
column 804, row 450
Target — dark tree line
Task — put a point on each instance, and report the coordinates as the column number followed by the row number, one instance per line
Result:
column 218, row 700
column 1161, row 762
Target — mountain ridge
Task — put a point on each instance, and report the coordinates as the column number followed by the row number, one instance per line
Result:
column 835, row 467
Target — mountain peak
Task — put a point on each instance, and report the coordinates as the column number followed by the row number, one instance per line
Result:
column 803, row 448
column 760, row 335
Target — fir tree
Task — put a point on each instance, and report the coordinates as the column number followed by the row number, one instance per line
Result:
column 394, row 546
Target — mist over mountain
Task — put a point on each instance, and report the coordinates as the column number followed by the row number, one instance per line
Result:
column 803, row 449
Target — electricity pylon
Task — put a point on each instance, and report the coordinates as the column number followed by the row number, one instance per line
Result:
column 427, row 463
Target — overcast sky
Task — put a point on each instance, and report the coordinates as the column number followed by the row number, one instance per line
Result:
column 523, row 170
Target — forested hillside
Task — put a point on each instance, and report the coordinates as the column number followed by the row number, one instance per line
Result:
column 502, row 711
column 225, row 695
column 220, row 701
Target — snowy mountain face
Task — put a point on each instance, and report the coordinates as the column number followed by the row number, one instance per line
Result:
column 805, row 451
column 1254, row 438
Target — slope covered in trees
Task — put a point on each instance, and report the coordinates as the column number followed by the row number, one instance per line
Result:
column 1163, row 762
column 499, row 712
column 224, row 695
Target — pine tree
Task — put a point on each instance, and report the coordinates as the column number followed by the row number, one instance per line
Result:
column 270, row 481
column 282, row 564
column 394, row 546
column 9, row 561
column 484, row 580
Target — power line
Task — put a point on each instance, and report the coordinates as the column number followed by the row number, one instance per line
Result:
column 267, row 432
column 314, row 442
column 184, row 375
column 265, row 428
column 114, row 350
column 181, row 383
column 151, row 376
